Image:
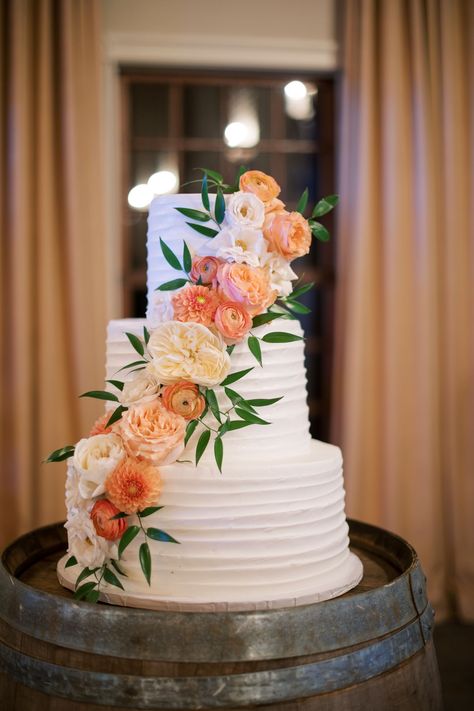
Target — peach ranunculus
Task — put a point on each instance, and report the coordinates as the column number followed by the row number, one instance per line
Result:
column 184, row 399
column 260, row 184
column 233, row 321
column 195, row 303
column 205, row 269
column 150, row 431
column 288, row 234
column 99, row 425
column 105, row 525
column 134, row 485
column 249, row 286
column 188, row 351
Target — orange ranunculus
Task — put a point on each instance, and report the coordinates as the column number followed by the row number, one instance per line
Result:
column 101, row 515
column 260, row 184
column 133, row 485
column 183, row 398
column 99, row 425
column 233, row 321
column 205, row 268
column 249, row 286
column 288, row 234
column 195, row 303
column 150, row 431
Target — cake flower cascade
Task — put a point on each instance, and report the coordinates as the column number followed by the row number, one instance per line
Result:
column 178, row 387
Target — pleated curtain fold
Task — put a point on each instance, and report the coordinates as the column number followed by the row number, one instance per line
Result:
column 52, row 251
column 404, row 369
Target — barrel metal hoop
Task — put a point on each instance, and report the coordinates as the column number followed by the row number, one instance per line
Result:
column 239, row 690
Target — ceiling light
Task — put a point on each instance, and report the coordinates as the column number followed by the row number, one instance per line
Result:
column 295, row 90
column 164, row 181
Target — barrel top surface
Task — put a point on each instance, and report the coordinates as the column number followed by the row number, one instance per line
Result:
column 390, row 595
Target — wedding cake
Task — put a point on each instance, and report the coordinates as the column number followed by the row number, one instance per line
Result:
column 201, row 487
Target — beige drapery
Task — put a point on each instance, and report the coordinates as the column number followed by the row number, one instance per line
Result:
column 404, row 370
column 52, row 252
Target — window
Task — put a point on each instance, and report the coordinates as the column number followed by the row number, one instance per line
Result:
column 176, row 122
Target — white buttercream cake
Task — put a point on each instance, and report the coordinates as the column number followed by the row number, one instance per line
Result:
column 270, row 530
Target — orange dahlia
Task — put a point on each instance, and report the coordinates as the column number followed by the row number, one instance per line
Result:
column 195, row 303
column 133, row 485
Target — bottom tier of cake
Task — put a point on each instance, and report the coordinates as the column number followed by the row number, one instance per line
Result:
column 265, row 535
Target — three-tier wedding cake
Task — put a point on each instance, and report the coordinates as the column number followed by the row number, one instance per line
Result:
column 201, row 488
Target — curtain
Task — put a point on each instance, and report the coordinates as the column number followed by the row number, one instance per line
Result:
column 404, row 367
column 52, row 252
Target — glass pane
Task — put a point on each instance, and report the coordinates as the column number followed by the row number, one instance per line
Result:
column 145, row 163
column 137, row 223
column 149, row 110
column 201, row 111
column 302, row 172
column 300, row 115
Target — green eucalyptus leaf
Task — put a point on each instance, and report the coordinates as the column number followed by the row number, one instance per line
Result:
column 238, row 400
column 212, row 174
column 224, row 427
column 157, row 535
column 190, row 427
column 296, row 293
column 254, row 347
column 146, row 335
column 112, row 579
column 145, row 561
column 218, row 452
column 85, row 573
column 281, row 337
column 250, row 417
column 230, row 349
column 206, row 231
column 59, row 455
column 119, row 569
column 116, row 383
column 264, row 318
column 149, row 511
column 303, row 201
column 72, row 560
column 92, row 596
column 319, row 231
column 297, row 307
column 132, row 365
column 172, row 285
column 219, row 207
column 170, row 256
column 127, row 537
column 263, row 402
column 211, row 400
column 205, row 193
column 136, row 343
column 236, row 186
column 116, row 415
column 325, row 205
column 83, row 590
column 202, row 444
column 194, row 214
column 237, row 425
column 100, row 395
column 187, row 259
column 235, row 376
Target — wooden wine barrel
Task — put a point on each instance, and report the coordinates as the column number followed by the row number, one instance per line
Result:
column 368, row 649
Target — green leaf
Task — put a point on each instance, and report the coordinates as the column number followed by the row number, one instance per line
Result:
column 157, row 535
column 170, row 256
column 116, row 415
column 72, row 560
column 280, row 337
column 296, row 293
column 85, row 573
column 82, row 591
column 100, row 395
column 112, row 579
column 205, row 193
column 219, row 207
column 230, row 349
column 325, row 205
column 297, row 307
column 172, row 285
column 127, row 538
column 202, row 444
column 235, row 376
column 212, row 174
column 238, row 400
column 136, row 343
column 242, row 169
column 250, row 417
column 145, row 561
column 118, row 568
column 206, row 231
column 238, row 425
column 302, row 202
column 194, row 214
column 59, row 455
column 319, row 231
column 218, row 452
column 149, row 511
column 92, row 596
column 116, row 383
column 224, row 427
column 264, row 318
column 131, row 365
column 190, row 427
column 187, row 259
column 262, row 402
column 122, row 514
column 211, row 400
column 146, row 335
column 254, row 348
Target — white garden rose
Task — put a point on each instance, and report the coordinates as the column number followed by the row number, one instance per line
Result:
column 244, row 210
column 281, row 273
column 89, row 549
column 95, row 458
column 143, row 388
column 239, row 244
column 74, row 500
column 160, row 309
column 188, row 351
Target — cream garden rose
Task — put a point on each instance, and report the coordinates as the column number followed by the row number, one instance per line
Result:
column 143, row 388
column 188, row 351
column 245, row 210
column 94, row 458
column 89, row 549
column 74, row 500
